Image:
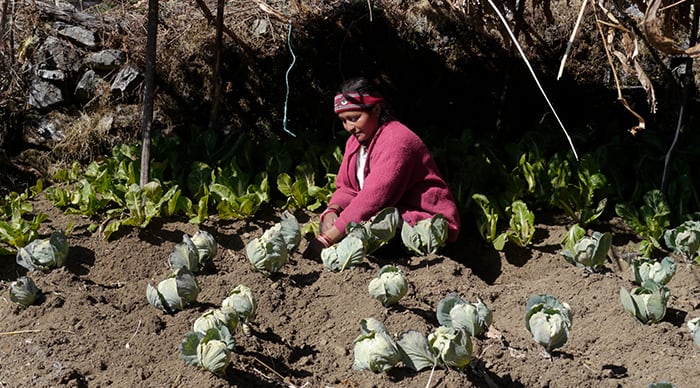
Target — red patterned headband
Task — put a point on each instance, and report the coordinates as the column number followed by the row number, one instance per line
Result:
column 354, row 101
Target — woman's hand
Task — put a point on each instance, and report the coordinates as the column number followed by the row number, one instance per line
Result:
column 327, row 222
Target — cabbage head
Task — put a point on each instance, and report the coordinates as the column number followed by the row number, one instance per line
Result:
column 647, row 302
column 548, row 320
column 210, row 350
column 685, row 239
column 206, row 246
column 242, row 301
column 44, row 254
column 379, row 230
column 426, row 236
column 451, row 345
column 185, row 254
column 659, row 272
column 348, row 253
column 175, row 293
column 475, row 318
column 389, row 286
column 375, row 350
column 24, row 292
column 268, row 253
column 589, row 253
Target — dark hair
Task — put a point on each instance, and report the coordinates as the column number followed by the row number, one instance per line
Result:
column 364, row 85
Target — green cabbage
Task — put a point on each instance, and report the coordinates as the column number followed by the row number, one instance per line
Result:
column 451, row 345
column 426, row 236
column 685, row 239
column 377, row 231
column 185, row 254
column 206, row 246
column 647, row 303
column 242, row 301
column 174, row 293
column 375, row 350
column 268, row 253
column 694, row 328
column 44, row 254
column 389, row 286
column 589, row 253
column 346, row 254
column 659, row 272
column 24, row 292
column 548, row 320
column 475, row 318
column 210, row 350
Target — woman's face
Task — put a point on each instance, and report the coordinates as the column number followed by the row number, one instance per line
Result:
column 361, row 123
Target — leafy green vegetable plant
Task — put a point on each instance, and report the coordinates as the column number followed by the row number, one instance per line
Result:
column 210, row 350
column 374, row 349
column 346, row 254
column 475, row 318
column 426, row 236
column 24, row 291
column 522, row 226
column 647, row 302
column 660, row 272
column 684, row 239
column 379, row 230
column 242, row 301
column 238, row 195
column 487, row 219
column 389, row 286
column 577, row 191
column 174, row 293
column 302, row 191
column 452, row 346
column 269, row 252
column 18, row 226
column 548, row 320
column 213, row 318
column 44, row 254
column 649, row 221
column 589, row 253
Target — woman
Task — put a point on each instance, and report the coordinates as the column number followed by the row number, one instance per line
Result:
column 385, row 165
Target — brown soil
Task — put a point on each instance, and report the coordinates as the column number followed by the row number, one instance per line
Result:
column 95, row 327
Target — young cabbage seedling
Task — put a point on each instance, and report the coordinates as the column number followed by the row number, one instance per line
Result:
column 548, row 320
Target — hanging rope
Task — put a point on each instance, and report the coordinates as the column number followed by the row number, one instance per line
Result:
column 286, row 76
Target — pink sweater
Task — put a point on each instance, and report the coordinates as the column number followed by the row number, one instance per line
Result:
column 399, row 172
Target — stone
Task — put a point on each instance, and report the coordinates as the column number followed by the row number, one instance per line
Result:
column 43, row 94
column 106, row 59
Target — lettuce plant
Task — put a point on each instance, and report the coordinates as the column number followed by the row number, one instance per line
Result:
column 684, row 239
column 426, row 236
column 647, row 302
column 475, row 318
column 649, row 221
column 44, row 254
column 522, row 226
column 659, row 272
column 389, row 286
column 17, row 229
column 548, row 320
column 589, row 253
